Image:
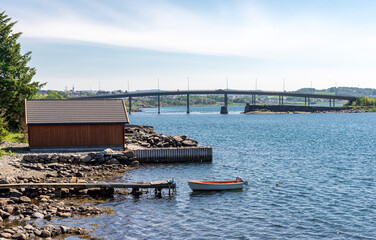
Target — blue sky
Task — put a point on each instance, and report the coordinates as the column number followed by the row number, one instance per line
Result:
column 87, row 42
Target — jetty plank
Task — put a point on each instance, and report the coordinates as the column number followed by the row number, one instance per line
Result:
column 157, row 185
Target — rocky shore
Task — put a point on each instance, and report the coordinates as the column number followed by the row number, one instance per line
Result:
column 145, row 136
column 280, row 109
column 20, row 209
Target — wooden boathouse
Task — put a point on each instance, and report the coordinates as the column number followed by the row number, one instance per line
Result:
column 76, row 124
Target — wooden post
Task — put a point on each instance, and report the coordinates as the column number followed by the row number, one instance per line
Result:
column 159, row 104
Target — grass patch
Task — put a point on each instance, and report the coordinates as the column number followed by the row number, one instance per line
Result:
column 15, row 137
column 5, row 152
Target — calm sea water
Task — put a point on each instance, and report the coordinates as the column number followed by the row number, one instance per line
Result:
column 325, row 165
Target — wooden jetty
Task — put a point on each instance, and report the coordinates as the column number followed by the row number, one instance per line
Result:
column 157, row 185
column 174, row 155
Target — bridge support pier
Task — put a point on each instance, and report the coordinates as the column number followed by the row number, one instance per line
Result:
column 253, row 99
column 309, row 101
column 305, row 101
column 130, row 105
column 187, row 103
column 224, row 109
column 159, row 104
column 330, row 102
column 334, row 102
column 280, row 98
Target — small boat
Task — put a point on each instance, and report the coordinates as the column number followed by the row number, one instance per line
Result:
column 217, row 185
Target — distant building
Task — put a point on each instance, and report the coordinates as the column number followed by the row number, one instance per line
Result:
column 92, row 124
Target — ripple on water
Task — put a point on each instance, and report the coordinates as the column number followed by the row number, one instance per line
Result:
column 324, row 164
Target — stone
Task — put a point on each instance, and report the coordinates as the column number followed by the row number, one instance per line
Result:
column 4, row 214
column 9, row 208
column 3, row 202
column 37, row 232
column 118, row 156
column 64, row 229
column 64, row 214
column 15, row 193
column 29, row 227
column 37, row 215
column 44, row 200
column 134, row 163
column 11, row 231
column 45, row 233
column 44, row 196
column 14, row 200
column 6, row 235
column 25, row 199
column 43, row 156
column 112, row 161
column 86, row 159
column 19, row 236
column 28, row 158
column 185, row 136
column 129, row 154
column 177, row 138
column 189, row 143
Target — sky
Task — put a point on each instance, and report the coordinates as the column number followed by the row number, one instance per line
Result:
column 253, row 44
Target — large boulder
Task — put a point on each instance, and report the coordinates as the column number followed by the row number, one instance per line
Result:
column 129, row 154
column 112, row 161
column 86, row 159
column 24, row 199
column 37, row 215
column 189, row 143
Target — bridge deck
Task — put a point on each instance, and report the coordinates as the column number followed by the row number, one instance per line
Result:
column 222, row 91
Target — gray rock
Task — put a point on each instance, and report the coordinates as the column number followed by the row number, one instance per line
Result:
column 19, row 236
column 25, row 199
column 43, row 156
column 37, row 215
column 134, row 164
column 28, row 158
column 45, row 233
column 129, row 154
column 86, row 159
column 118, row 156
column 6, row 235
column 37, row 232
column 29, row 227
column 189, row 143
column 4, row 181
column 4, row 214
column 9, row 208
column 112, row 161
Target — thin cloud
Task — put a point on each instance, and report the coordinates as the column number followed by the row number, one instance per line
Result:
column 166, row 27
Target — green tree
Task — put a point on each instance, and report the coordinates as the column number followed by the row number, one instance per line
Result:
column 15, row 75
column 3, row 131
column 53, row 95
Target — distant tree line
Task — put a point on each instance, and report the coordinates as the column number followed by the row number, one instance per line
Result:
column 362, row 102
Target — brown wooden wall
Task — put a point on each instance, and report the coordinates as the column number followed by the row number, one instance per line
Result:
column 76, row 135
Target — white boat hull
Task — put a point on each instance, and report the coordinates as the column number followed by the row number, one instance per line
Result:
column 214, row 187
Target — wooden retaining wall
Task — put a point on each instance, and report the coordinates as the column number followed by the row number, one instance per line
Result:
column 174, row 155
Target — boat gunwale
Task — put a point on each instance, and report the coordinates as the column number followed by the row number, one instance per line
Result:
column 216, row 182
